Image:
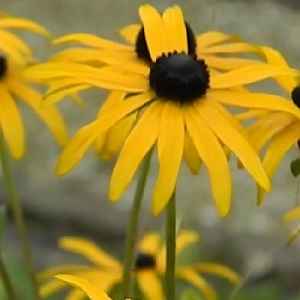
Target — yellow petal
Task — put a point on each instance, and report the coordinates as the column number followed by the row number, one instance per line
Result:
column 213, row 37
column 170, row 150
column 255, row 100
column 276, row 59
column 135, row 148
column 232, row 134
column 130, row 32
column 48, row 114
column 11, row 123
column 150, row 243
column 218, row 270
column 213, row 156
column 291, row 215
column 19, row 23
column 85, row 285
column 75, row 295
column 51, row 287
column 150, row 285
column 175, row 28
column 197, row 281
column 232, row 48
column 191, row 155
column 91, row 40
column 278, row 147
column 89, row 250
column 249, row 74
column 185, row 239
column 155, row 31
column 82, row 140
column 12, row 52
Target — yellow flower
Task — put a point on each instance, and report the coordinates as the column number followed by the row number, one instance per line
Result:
column 179, row 105
column 278, row 130
column 148, row 270
column 15, row 86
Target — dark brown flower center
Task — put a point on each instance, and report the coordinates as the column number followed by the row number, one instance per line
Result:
column 142, row 49
column 179, row 77
column 295, row 95
column 144, row 261
column 3, row 66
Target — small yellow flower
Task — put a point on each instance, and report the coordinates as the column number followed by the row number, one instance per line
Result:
column 148, row 270
column 15, row 86
column 179, row 106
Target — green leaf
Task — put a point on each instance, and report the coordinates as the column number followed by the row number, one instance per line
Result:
column 2, row 221
column 190, row 294
column 295, row 167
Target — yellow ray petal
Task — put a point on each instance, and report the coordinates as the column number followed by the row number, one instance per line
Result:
column 213, row 37
column 275, row 58
column 12, row 52
column 291, row 215
column 191, row 155
column 150, row 243
column 11, row 123
column 170, row 150
column 135, row 148
column 89, row 250
column 175, row 29
column 231, row 133
column 19, row 23
column 155, row 31
column 91, row 40
column 185, row 239
column 213, row 156
column 85, row 285
column 277, row 149
column 48, row 114
column 255, row 100
column 113, row 100
column 130, row 32
column 75, row 295
column 232, row 48
column 150, row 285
column 51, row 287
column 197, row 281
column 218, row 270
column 82, row 140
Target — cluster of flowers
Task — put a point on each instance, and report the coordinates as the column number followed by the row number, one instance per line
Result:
column 169, row 90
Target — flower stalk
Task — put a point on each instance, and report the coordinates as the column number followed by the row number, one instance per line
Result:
column 16, row 209
column 170, row 247
column 6, row 280
column 133, row 226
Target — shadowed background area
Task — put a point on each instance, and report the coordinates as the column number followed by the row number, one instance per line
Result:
column 250, row 238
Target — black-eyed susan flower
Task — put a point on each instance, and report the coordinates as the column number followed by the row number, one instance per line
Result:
column 279, row 131
column 15, row 86
column 149, row 267
column 179, row 105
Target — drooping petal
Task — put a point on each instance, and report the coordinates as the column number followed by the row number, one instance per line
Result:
column 197, row 281
column 292, row 215
column 185, row 239
column 249, row 74
column 150, row 285
column 216, row 269
column 75, row 295
column 47, row 113
column 232, row 48
column 231, row 133
column 89, row 250
column 255, row 100
column 82, row 140
column 90, row 289
column 11, row 124
column 191, row 155
column 175, row 28
column 139, row 142
column 209, row 38
column 51, row 287
column 213, row 156
column 91, row 40
column 130, row 32
column 12, row 52
column 170, row 150
column 278, row 147
column 155, row 31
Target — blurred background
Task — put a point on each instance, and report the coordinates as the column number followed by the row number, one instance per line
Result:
column 252, row 240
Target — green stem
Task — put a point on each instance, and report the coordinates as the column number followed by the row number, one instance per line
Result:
column 171, row 247
column 133, row 226
column 18, row 217
column 6, row 281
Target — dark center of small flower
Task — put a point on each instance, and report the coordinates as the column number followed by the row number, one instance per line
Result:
column 3, row 66
column 142, row 50
column 295, row 95
column 144, row 261
column 179, row 77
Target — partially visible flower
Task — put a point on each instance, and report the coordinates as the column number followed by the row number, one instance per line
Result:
column 15, row 87
column 180, row 107
column 277, row 131
column 148, row 270
column 292, row 215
